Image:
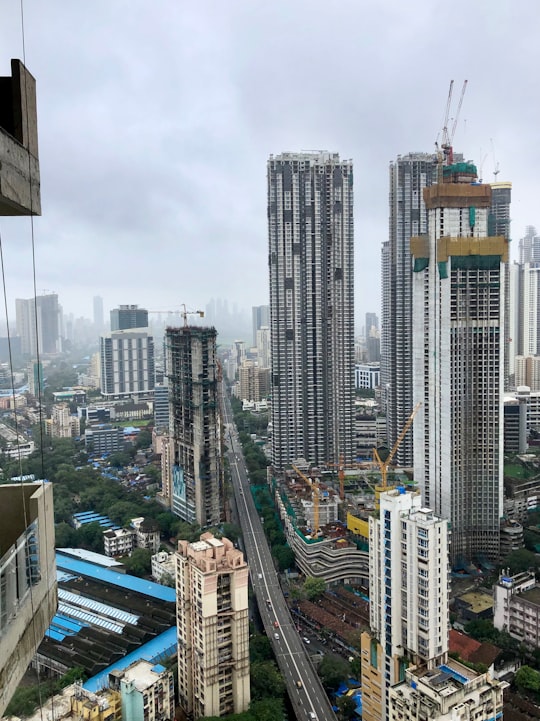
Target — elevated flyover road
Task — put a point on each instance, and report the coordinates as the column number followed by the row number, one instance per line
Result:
column 307, row 695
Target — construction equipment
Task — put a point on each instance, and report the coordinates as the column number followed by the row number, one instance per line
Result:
column 186, row 312
column 315, row 495
column 448, row 136
column 383, row 465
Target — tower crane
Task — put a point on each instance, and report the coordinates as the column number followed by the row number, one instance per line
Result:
column 315, row 491
column 187, row 312
column 448, row 136
column 383, row 465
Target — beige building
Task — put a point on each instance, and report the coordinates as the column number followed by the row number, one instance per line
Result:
column 253, row 382
column 62, row 423
column 28, row 598
column 213, row 627
column 527, row 370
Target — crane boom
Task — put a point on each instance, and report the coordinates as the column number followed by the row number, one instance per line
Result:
column 454, row 126
column 315, row 496
column 383, row 465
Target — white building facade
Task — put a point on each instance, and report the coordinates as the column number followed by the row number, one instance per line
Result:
column 127, row 363
column 458, row 362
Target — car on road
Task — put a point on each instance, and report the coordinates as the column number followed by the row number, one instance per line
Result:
column 259, row 576
column 276, row 636
column 306, row 640
column 312, row 716
column 299, row 684
column 276, row 624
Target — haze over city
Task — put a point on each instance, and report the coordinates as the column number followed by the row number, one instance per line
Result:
column 156, row 122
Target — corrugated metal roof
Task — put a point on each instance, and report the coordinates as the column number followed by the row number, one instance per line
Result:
column 121, row 580
column 157, row 649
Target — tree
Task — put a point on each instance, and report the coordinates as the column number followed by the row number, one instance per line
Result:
column 65, row 535
column 314, row 588
column 90, row 536
column 347, row 707
column 144, row 439
column 260, row 649
column 267, row 709
column 139, row 563
column 519, row 561
column 333, row 671
column 284, row 556
column 266, row 680
column 356, row 667
column 527, row 679
column 231, row 531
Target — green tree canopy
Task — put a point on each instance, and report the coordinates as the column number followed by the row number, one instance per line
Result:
column 266, row 680
column 139, row 563
column 333, row 671
column 284, row 556
column 314, row 588
column 527, row 679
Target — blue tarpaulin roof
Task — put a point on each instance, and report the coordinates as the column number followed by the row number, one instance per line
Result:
column 122, row 580
column 159, row 648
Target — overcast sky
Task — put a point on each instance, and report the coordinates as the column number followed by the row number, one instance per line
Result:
column 156, row 119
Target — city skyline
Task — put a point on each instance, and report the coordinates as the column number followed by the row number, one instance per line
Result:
column 136, row 181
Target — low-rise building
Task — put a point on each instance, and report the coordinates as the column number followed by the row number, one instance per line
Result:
column 119, row 541
column 104, row 439
column 367, row 375
column 163, row 566
column 517, row 607
column 446, row 692
column 146, row 690
column 147, row 533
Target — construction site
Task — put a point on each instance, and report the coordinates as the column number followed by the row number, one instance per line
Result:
column 325, row 512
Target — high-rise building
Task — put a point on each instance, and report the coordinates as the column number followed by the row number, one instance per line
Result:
column 372, row 321
column 129, row 316
column 161, row 405
column 194, row 424
column 408, row 582
column 213, row 627
column 98, row 313
column 529, row 246
column 311, row 269
column 263, row 347
column 47, row 339
column 127, row 363
column 499, row 225
column 409, row 175
column 260, row 318
column 458, row 366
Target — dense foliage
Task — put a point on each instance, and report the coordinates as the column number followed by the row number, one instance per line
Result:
column 26, row 699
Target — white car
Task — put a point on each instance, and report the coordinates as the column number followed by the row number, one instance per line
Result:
column 306, row 639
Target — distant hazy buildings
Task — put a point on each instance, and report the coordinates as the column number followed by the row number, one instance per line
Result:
column 128, row 316
column 161, row 406
column 38, row 325
column 263, row 347
column 99, row 319
column 409, row 175
column 458, row 361
column 260, row 319
column 213, row 628
column 529, row 246
column 194, row 424
column 311, row 268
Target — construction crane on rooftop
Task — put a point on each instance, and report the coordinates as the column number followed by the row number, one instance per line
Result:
column 315, row 496
column 383, row 465
column 448, row 136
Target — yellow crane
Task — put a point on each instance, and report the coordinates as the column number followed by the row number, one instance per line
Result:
column 383, row 465
column 315, row 495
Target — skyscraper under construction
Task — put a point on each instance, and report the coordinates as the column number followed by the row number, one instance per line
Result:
column 194, row 424
column 458, row 360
